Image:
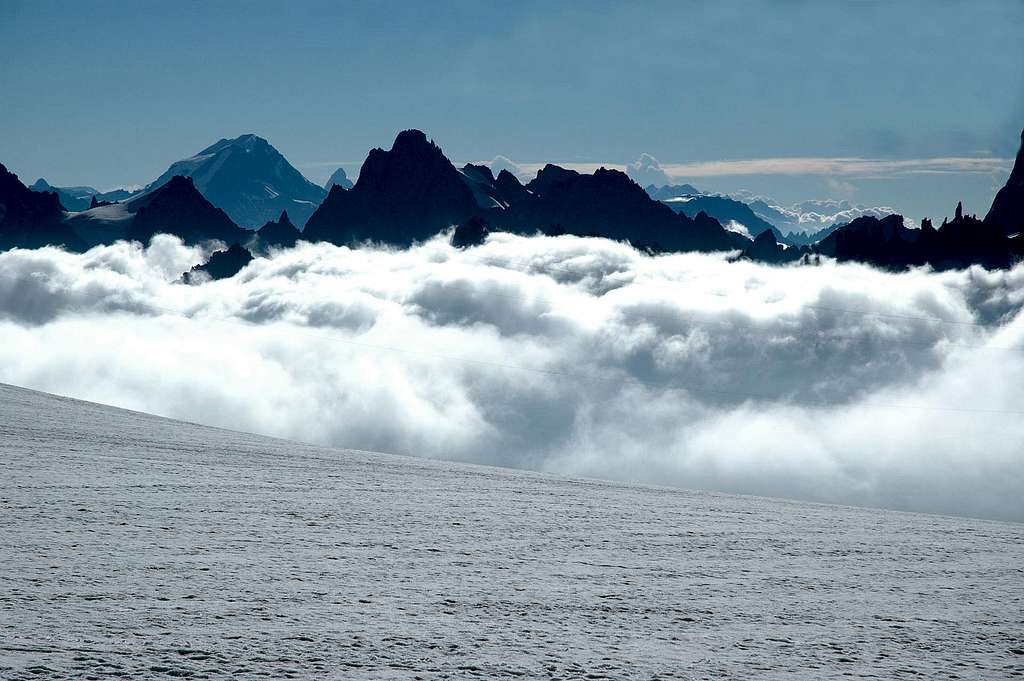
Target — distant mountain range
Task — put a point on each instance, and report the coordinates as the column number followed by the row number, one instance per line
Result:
column 175, row 207
column 733, row 214
column 808, row 217
column 802, row 224
column 888, row 243
column 412, row 191
column 672, row 191
column 245, row 177
column 81, row 198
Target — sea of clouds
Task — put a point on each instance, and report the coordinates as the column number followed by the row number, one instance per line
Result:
column 833, row 383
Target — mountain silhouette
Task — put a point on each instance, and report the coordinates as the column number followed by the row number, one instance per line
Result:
column 338, row 177
column 178, row 208
column 412, row 192
column 956, row 244
column 766, row 248
column 407, row 194
column 221, row 265
column 80, row 198
column 810, row 238
column 1007, row 209
column 249, row 180
column 31, row 219
column 280, row 233
column 482, row 183
column 671, row 191
column 510, row 188
column 72, row 198
column 473, row 232
column 607, row 204
column 548, row 177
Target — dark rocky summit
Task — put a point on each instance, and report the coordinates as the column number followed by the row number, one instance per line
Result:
column 407, row 194
column 473, row 232
column 178, row 208
column 221, row 265
column 1007, row 209
column 280, row 233
column 412, row 192
column 608, row 204
column 485, row 188
column 671, row 191
column 511, row 189
column 548, row 177
column 31, row 219
column 766, row 248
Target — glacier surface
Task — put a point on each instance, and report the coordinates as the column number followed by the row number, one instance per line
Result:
column 138, row 546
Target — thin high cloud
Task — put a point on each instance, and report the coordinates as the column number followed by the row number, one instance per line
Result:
column 648, row 170
column 579, row 356
column 856, row 167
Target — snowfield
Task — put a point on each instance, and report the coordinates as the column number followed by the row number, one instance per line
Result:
column 138, row 546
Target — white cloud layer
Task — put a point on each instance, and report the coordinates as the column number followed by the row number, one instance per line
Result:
column 569, row 355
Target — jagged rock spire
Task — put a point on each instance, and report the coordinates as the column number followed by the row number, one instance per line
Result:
column 1007, row 209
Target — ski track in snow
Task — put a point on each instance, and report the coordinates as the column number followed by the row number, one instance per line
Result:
column 137, row 546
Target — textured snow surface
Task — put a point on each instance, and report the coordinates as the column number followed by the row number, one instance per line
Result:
column 137, row 546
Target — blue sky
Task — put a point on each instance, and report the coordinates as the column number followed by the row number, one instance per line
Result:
column 108, row 94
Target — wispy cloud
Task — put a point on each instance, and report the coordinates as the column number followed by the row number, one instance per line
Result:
column 804, row 165
column 328, row 164
column 847, row 166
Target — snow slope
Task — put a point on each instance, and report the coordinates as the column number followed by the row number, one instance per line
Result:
column 249, row 180
column 145, row 547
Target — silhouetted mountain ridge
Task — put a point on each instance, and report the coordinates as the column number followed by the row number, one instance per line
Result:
column 671, row 191
column 280, row 233
column 178, row 208
column 403, row 195
column 608, row 204
column 30, row 219
column 1007, row 209
column 956, row 244
column 412, row 191
column 221, row 265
